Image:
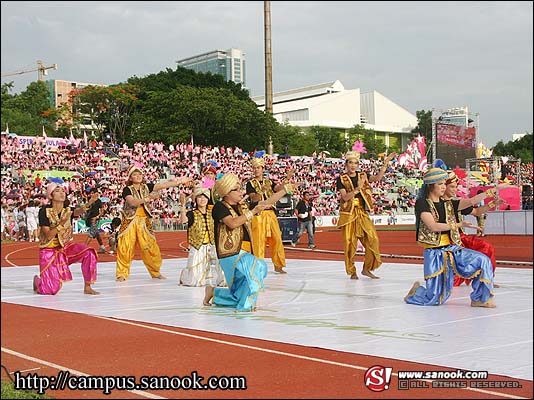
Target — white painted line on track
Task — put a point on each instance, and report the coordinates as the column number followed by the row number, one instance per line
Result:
column 72, row 371
column 282, row 353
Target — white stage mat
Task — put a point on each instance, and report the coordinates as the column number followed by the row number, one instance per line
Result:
column 316, row 304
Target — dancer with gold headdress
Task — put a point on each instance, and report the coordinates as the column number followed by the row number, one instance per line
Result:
column 136, row 225
column 202, row 264
column 444, row 256
column 356, row 202
column 265, row 226
column 56, row 249
column 244, row 272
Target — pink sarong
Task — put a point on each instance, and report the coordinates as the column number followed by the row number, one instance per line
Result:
column 54, row 265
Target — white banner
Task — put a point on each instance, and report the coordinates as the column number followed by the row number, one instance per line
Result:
column 331, row 220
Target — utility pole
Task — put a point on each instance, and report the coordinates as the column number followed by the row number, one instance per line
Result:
column 268, row 65
column 268, row 58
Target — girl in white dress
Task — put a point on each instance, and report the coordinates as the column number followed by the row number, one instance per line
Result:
column 202, row 265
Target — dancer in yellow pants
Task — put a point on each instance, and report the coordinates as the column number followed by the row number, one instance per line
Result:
column 265, row 226
column 354, row 221
column 136, row 224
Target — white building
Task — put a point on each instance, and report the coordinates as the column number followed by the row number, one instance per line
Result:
column 331, row 105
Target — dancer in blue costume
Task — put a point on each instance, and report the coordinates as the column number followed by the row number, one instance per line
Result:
column 243, row 271
column 444, row 256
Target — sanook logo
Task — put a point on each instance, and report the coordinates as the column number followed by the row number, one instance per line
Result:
column 377, row 378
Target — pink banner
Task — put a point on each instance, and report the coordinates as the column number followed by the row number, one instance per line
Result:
column 512, row 196
column 456, row 135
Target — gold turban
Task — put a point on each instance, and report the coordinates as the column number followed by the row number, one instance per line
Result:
column 199, row 191
column 352, row 155
column 257, row 161
column 132, row 169
column 226, row 184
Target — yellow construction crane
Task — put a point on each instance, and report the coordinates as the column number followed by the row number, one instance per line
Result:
column 41, row 69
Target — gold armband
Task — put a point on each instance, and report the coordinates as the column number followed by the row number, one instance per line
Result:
column 491, row 204
column 491, row 192
column 60, row 228
column 146, row 200
column 248, row 215
column 289, row 188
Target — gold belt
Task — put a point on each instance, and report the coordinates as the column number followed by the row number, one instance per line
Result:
column 246, row 246
column 444, row 240
column 358, row 202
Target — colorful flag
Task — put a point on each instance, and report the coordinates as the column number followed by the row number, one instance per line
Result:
column 415, row 154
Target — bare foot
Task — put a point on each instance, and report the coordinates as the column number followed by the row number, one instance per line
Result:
column 369, row 274
column 496, row 285
column 487, row 304
column 354, row 276
column 159, row 277
column 414, row 287
column 279, row 270
column 89, row 290
column 120, row 279
column 208, row 295
column 35, row 280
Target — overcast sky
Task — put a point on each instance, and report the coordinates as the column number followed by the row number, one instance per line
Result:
column 421, row 55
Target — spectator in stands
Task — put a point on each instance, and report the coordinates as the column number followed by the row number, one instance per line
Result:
column 5, row 222
column 202, row 264
column 32, row 220
column 136, row 227
column 92, row 218
column 438, row 231
column 112, row 240
column 354, row 221
column 243, row 271
column 57, row 251
column 265, row 226
column 304, row 211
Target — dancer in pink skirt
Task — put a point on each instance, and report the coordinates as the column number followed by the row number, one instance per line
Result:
column 56, row 249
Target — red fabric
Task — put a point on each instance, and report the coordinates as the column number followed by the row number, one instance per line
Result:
column 475, row 243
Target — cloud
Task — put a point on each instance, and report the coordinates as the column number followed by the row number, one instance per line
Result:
column 422, row 55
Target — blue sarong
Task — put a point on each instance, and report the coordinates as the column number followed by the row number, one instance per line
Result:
column 442, row 264
column 244, row 274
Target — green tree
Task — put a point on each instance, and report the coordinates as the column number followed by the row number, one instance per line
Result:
column 108, row 107
column 214, row 116
column 373, row 145
column 24, row 112
column 424, row 125
column 168, row 80
column 329, row 139
column 521, row 148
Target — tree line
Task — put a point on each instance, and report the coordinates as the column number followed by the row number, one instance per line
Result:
column 177, row 106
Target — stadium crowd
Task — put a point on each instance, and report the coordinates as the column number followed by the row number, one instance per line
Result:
column 25, row 175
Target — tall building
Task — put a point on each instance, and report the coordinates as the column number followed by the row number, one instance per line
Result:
column 228, row 63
